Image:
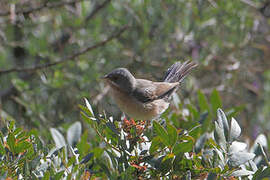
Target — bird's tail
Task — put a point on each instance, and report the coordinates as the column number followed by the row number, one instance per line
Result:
column 178, row 71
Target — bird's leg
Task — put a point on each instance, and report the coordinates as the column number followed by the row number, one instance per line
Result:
column 148, row 124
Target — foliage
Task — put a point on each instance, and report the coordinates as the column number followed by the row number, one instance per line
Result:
column 124, row 149
column 228, row 39
column 53, row 53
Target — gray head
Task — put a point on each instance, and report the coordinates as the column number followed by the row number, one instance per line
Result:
column 122, row 78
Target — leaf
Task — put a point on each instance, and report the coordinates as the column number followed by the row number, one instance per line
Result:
column 11, row 142
column 223, row 122
column 112, row 127
column 35, row 162
column 172, row 133
column 161, row 132
column 89, row 107
column 11, row 125
column 22, row 146
column 237, row 147
column 221, row 157
column 58, row 175
column 200, row 142
column 83, row 146
column 85, row 112
column 253, row 165
column 155, row 144
column 87, row 119
column 239, row 158
column 242, row 172
column 211, row 176
column 87, row 158
column 261, row 139
column 202, row 102
column 58, row 138
column 235, row 130
column 263, row 152
column 262, row 173
column 219, row 136
column 215, row 100
column 183, row 147
column 74, row 133
column 166, row 163
column 203, row 117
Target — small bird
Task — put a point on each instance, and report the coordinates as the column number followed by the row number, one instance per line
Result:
column 142, row 99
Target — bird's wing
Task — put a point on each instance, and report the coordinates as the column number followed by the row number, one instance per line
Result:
column 147, row 91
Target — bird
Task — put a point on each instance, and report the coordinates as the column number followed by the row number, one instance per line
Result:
column 143, row 99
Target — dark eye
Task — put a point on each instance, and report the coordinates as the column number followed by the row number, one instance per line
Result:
column 115, row 78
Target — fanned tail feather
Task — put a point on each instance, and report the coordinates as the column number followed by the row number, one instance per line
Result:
column 178, row 71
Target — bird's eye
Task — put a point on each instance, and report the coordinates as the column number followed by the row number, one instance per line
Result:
column 115, row 78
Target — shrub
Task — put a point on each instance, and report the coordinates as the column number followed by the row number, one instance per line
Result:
column 127, row 148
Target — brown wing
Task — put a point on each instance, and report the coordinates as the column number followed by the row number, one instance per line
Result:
column 147, row 91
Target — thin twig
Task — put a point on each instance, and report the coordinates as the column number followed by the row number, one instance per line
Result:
column 103, row 139
column 96, row 9
column 68, row 58
column 40, row 7
column 250, row 3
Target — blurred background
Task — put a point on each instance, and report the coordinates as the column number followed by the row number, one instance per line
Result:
column 53, row 53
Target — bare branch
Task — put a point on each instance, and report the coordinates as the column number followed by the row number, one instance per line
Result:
column 71, row 57
column 40, row 7
column 96, row 9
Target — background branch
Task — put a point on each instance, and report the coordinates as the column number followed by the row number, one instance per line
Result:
column 69, row 58
column 96, row 9
column 38, row 8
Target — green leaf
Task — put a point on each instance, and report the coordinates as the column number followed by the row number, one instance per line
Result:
column 161, row 132
column 172, row 133
column 11, row 142
column 193, row 111
column 98, row 152
column 155, row 145
column 183, row 147
column 261, row 173
column 71, row 161
column 89, row 107
column 112, row 127
column 86, row 113
column 22, row 146
column 83, row 145
column 166, row 163
column 203, row 104
column 87, row 158
column 215, row 101
column 59, row 175
column 11, row 125
column 86, row 118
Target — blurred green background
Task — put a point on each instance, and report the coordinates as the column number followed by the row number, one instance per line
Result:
column 53, row 53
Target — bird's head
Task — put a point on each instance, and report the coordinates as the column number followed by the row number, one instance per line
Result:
column 121, row 78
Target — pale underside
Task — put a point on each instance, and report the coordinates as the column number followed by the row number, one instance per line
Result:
column 136, row 109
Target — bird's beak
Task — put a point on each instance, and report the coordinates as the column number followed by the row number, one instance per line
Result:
column 104, row 77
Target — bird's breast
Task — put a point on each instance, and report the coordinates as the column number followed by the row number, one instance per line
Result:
column 136, row 109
